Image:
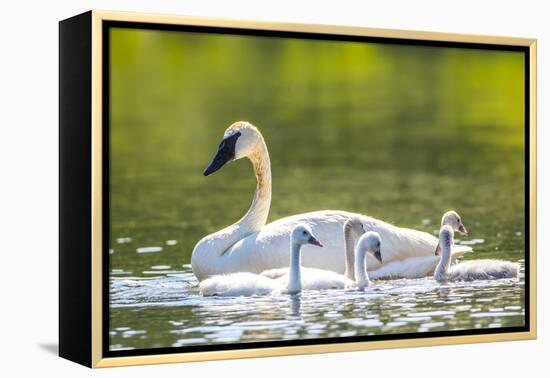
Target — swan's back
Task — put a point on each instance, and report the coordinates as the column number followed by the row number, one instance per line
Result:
column 415, row 267
column 318, row 279
column 276, row 273
column 238, row 284
column 268, row 248
column 483, row 270
column 312, row 278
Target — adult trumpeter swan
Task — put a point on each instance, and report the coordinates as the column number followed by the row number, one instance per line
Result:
column 248, row 284
column 319, row 279
column 249, row 245
column 469, row 270
column 420, row 266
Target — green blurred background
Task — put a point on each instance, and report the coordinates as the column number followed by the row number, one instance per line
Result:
column 401, row 133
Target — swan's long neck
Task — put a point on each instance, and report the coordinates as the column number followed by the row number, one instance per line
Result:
column 295, row 274
column 213, row 246
column 444, row 263
column 256, row 216
column 361, row 276
column 350, row 256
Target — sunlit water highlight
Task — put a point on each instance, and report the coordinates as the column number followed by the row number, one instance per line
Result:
column 183, row 317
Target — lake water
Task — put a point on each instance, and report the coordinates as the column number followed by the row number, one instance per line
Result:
column 183, row 317
column 399, row 133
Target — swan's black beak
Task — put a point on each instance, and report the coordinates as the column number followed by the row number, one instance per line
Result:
column 314, row 241
column 378, row 256
column 226, row 153
column 438, row 250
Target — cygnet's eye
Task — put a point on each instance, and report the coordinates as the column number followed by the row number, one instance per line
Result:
column 458, row 220
column 378, row 244
column 304, row 233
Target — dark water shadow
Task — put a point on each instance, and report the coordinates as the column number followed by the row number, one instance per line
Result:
column 51, row 348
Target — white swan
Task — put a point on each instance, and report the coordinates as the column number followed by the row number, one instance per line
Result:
column 368, row 242
column 319, row 279
column 421, row 266
column 248, row 284
column 250, row 245
column 469, row 270
column 354, row 230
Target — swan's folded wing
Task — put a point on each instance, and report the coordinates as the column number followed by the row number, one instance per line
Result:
column 274, row 273
column 402, row 243
column 237, row 285
column 319, row 279
column 413, row 267
column 484, row 270
column 459, row 250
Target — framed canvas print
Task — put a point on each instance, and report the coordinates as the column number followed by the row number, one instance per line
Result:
column 234, row 189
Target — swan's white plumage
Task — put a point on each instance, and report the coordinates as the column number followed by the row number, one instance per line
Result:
column 469, row 270
column 252, row 246
column 483, row 270
column 249, row 284
column 422, row 266
column 267, row 249
column 318, row 279
column 414, row 267
column 279, row 272
column 239, row 284
column 312, row 278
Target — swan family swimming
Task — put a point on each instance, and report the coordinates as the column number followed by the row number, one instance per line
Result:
column 251, row 257
column 296, row 278
column 251, row 245
column 318, row 279
column 247, row 284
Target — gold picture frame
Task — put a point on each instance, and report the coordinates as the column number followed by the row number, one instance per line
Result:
column 91, row 24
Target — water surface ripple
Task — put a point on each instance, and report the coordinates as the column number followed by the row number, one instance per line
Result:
column 183, row 317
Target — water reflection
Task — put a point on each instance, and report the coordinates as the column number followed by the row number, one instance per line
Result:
column 183, row 317
column 295, row 305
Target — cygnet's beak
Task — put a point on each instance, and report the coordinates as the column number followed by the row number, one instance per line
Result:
column 438, row 250
column 462, row 230
column 378, row 256
column 314, row 241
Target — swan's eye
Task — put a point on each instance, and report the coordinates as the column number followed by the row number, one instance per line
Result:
column 458, row 220
column 304, row 233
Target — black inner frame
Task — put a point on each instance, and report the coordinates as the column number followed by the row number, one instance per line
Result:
column 107, row 25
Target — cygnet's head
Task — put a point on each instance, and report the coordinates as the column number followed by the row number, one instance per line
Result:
column 355, row 225
column 451, row 218
column 302, row 234
column 372, row 243
column 446, row 239
column 239, row 140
